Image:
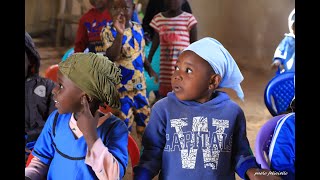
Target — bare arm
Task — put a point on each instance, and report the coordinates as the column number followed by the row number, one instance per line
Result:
column 193, row 34
column 151, row 72
column 114, row 51
column 155, row 44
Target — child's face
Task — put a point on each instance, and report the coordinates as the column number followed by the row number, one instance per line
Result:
column 67, row 95
column 173, row 4
column 123, row 7
column 193, row 78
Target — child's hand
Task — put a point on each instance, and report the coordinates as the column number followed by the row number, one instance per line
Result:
column 87, row 123
column 152, row 73
column 120, row 23
column 150, row 70
column 275, row 64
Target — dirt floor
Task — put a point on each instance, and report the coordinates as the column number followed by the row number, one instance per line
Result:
column 253, row 86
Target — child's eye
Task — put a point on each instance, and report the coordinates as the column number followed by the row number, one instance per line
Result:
column 60, row 86
column 189, row 70
column 177, row 68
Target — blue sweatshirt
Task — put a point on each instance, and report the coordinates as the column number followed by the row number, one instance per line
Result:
column 188, row 140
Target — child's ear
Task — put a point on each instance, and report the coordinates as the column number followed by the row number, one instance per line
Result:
column 214, row 81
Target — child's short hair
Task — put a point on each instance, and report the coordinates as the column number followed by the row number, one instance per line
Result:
column 32, row 53
column 95, row 74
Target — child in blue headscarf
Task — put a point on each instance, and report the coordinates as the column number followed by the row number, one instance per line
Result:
column 197, row 131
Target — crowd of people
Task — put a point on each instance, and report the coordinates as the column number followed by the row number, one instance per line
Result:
column 194, row 130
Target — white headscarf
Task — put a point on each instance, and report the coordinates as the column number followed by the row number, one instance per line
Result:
column 291, row 20
column 221, row 62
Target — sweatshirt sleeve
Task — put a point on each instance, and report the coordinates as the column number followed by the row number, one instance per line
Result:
column 242, row 153
column 153, row 142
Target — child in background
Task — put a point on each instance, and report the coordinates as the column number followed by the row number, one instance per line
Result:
column 38, row 97
column 124, row 44
column 284, row 56
column 90, row 26
column 153, row 8
column 174, row 31
column 78, row 141
column 197, row 131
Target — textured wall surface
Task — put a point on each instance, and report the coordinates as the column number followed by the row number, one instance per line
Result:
column 250, row 29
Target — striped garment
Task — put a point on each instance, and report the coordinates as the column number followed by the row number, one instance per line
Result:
column 174, row 37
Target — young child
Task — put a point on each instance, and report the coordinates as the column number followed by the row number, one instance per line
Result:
column 174, row 30
column 124, row 44
column 38, row 97
column 198, row 132
column 284, row 56
column 90, row 26
column 77, row 141
column 153, row 8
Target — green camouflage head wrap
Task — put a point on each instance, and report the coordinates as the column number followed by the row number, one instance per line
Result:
column 94, row 74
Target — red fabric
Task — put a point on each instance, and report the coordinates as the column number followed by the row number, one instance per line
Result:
column 51, row 72
column 89, row 28
column 29, row 159
column 134, row 151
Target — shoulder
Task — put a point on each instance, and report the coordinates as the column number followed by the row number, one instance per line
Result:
column 228, row 103
column 287, row 122
column 158, row 15
column 188, row 14
column 115, row 123
column 88, row 14
column 42, row 85
column 162, row 104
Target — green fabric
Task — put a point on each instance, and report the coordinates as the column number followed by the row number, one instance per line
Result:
column 95, row 74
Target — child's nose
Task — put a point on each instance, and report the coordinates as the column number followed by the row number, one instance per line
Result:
column 177, row 76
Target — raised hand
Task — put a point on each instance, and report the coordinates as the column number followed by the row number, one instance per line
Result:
column 87, row 123
column 120, row 23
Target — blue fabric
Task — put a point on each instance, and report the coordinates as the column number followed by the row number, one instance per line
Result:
column 113, row 132
column 188, row 140
column 221, row 62
column 135, row 17
column 282, row 147
column 285, row 53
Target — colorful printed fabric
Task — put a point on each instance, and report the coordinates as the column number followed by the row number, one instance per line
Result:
column 132, row 89
column 135, row 107
column 131, row 60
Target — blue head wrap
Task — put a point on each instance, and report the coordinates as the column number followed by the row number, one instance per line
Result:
column 221, row 62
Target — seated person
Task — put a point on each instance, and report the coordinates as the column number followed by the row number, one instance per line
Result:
column 38, row 96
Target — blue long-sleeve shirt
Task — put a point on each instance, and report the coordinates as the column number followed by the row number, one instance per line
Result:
column 189, row 140
column 285, row 53
column 65, row 155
